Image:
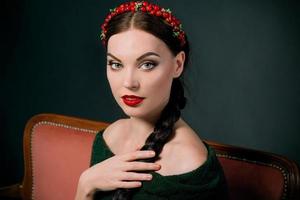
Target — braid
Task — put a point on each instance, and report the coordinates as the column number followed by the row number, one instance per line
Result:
column 163, row 130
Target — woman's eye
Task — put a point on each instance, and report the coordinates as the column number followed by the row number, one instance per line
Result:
column 114, row 65
column 148, row 65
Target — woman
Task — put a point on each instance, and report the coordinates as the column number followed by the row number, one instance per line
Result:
column 154, row 153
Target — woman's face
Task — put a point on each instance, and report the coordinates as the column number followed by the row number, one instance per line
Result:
column 140, row 70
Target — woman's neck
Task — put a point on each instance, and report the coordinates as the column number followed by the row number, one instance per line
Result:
column 139, row 130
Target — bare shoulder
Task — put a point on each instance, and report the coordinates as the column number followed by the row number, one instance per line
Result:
column 184, row 153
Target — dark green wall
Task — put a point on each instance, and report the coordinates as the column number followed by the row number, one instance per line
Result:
column 243, row 81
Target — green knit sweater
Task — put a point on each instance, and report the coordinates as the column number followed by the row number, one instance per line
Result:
column 207, row 182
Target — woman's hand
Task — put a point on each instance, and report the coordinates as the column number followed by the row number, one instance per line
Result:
column 120, row 171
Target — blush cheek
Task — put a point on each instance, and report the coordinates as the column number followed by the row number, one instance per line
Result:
column 159, row 88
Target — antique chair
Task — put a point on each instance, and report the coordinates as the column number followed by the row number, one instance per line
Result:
column 57, row 150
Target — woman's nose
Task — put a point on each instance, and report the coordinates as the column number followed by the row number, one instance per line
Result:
column 130, row 79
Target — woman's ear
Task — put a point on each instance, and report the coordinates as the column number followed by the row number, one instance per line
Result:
column 179, row 64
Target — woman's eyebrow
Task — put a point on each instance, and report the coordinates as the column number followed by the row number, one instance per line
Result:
column 147, row 54
column 114, row 57
column 139, row 58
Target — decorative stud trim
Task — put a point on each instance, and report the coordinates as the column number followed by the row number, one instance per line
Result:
column 282, row 170
column 50, row 124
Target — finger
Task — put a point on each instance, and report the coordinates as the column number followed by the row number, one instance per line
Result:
column 141, row 166
column 138, row 155
column 129, row 184
column 132, row 176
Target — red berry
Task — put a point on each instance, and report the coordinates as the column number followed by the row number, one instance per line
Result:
column 143, row 9
column 158, row 13
column 149, row 8
column 145, row 3
column 132, row 8
column 156, row 8
column 165, row 14
column 152, row 12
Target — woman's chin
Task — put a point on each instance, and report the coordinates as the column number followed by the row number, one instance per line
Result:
column 143, row 111
column 134, row 112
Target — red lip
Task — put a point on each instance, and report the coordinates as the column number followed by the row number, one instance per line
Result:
column 132, row 100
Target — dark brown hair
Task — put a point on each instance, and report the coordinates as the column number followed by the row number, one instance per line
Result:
column 163, row 129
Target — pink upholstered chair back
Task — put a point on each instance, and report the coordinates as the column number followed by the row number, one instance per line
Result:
column 258, row 175
column 58, row 150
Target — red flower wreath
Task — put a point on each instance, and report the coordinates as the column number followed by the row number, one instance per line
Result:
column 152, row 9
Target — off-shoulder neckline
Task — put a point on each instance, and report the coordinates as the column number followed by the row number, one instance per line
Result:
column 203, row 166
